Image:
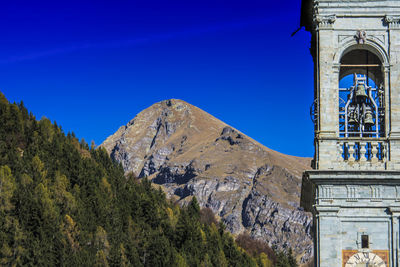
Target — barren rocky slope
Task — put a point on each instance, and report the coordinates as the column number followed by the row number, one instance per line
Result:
column 189, row 152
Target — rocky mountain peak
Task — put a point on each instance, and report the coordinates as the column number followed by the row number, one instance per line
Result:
column 191, row 153
column 170, row 126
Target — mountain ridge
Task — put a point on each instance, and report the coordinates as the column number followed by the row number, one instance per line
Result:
column 302, row 160
column 251, row 187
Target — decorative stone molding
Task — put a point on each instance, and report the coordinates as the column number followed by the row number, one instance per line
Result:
column 326, row 193
column 351, row 193
column 324, row 21
column 379, row 38
column 326, row 211
column 344, row 38
column 395, row 210
column 393, row 22
column 361, row 36
column 376, row 193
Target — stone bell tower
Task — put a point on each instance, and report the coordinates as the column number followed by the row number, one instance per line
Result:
column 354, row 189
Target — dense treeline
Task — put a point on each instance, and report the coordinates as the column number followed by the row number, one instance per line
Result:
column 63, row 203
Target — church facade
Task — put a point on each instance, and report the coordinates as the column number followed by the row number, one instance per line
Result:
column 353, row 190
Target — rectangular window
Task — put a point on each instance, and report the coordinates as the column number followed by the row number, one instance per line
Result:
column 364, row 241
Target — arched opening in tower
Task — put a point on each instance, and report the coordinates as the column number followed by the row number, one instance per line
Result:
column 361, row 95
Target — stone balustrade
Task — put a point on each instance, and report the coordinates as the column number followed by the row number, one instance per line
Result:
column 362, row 153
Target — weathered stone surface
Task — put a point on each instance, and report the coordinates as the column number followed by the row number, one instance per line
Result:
column 191, row 153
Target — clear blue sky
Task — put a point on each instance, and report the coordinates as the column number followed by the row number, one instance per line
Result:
column 93, row 65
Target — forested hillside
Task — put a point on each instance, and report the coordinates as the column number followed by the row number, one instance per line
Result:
column 63, row 203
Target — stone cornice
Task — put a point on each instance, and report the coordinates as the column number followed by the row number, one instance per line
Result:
column 354, row 172
column 321, row 208
column 357, row 7
column 353, row 176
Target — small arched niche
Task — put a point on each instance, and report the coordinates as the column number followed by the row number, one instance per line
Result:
column 361, row 94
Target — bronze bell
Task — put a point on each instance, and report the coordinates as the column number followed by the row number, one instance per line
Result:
column 368, row 118
column 352, row 119
column 360, row 91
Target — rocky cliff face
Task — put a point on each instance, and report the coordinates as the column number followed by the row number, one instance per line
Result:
column 188, row 151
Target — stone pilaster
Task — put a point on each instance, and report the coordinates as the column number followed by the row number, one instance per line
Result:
column 328, row 93
column 329, row 242
column 327, row 88
column 395, row 233
column 393, row 23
